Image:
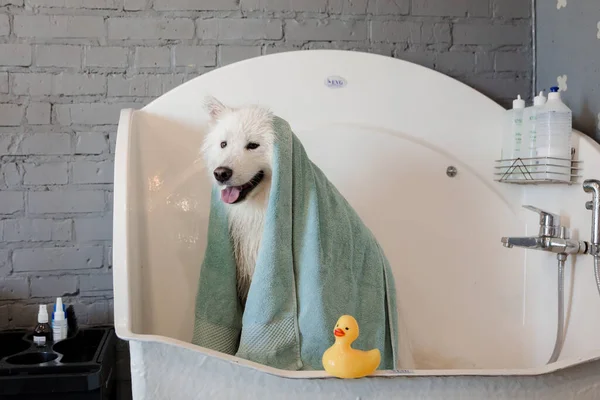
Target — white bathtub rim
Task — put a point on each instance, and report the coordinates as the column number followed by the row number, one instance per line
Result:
column 125, row 334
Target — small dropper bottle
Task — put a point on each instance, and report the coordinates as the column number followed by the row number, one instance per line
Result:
column 42, row 333
column 59, row 323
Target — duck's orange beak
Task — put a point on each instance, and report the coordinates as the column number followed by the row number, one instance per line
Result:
column 339, row 332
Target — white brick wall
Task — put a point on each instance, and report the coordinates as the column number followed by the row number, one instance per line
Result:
column 92, row 171
column 15, row 55
column 49, row 173
column 316, row 6
column 195, row 56
column 91, row 143
column 38, row 113
column 4, row 25
column 11, row 114
column 63, row 259
column 90, row 113
column 4, row 82
column 318, row 29
column 15, row 288
column 60, row 56
column 11, row 202
column 69, row 201
column 237, row 29
column 152, row 57
column 53, row 286
column 195, row 5
column 67, row 68
column 107, row 57
column 39, row 144
column 91, row 4
column 37, row 230
column 150, row 28
column 58, row 26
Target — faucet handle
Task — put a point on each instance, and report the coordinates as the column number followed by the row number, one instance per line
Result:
column 549, row 222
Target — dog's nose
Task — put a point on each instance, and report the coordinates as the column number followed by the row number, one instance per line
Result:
column 222, row 174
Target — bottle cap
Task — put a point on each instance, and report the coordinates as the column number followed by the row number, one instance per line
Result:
column 554, row 89
column 59, row 313
column 43, row 314
column 540, row 99
column 518, row 102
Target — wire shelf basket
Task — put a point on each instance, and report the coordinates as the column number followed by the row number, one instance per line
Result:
column 538, row 170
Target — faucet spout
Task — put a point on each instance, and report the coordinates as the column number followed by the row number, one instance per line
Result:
column 550, row 244
column 526, row 242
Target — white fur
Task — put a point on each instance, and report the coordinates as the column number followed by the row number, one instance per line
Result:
column 238, row 127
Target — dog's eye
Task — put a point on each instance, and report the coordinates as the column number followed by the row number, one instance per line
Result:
column 252, row 146
column 223, row 144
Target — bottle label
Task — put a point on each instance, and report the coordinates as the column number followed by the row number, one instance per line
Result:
column 518, row 141
column 39, row 340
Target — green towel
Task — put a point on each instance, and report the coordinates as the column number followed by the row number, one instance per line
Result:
column 309, row 271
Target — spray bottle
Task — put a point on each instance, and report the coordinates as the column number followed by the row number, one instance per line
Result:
column 42, row 334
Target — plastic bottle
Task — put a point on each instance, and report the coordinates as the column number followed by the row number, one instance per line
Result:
column 531, row 123
column 59, row 322
column 512, row 147
column 42, row 333
column 553, row 136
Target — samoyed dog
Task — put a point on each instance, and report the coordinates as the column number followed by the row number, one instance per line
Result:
column 238, row 150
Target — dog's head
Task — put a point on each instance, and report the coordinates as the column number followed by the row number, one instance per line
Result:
column 238, row 149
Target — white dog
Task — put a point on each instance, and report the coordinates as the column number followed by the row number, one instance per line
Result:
column 238, row 151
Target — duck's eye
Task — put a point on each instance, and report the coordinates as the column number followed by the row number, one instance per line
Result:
column 252, row 146
column 223, row 144
column 346, row 328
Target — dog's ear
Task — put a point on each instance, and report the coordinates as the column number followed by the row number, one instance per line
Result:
column 214, row 107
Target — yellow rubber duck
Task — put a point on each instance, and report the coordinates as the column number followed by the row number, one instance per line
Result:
column 341, row 360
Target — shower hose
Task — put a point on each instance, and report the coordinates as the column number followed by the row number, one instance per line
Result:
column 596, row 272
column 560, row 337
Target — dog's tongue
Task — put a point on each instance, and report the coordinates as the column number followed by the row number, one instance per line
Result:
column 230, row 194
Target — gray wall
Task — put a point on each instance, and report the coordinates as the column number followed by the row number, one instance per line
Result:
column 68, row 66
column 568, row 43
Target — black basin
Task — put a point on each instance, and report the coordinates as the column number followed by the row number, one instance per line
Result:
column 32, row 358
column 81, row 348
column 79, row 367
column 12, row 343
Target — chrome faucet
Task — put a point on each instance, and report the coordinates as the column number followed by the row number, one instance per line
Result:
column 552, row 236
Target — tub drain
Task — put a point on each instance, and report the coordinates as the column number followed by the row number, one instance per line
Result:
column 451, row 171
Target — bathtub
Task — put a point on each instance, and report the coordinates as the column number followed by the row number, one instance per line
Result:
column 414, row 152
